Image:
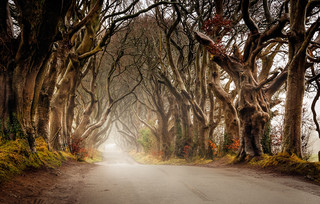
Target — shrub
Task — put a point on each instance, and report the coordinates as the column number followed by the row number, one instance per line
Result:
column 187, row 152
column 146, row 139
column 213, row 147
column 78, row 150
column 234, row 146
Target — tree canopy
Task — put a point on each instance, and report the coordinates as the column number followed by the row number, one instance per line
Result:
column 184, row 78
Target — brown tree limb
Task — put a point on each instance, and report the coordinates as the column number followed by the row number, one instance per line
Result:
column 276, row 83
column 110, row 31
column 267, row 12
column 153, row 129
column 86, row 19
column 264, row 82
column 247, row 19
column 314, row 78
column 314, row 101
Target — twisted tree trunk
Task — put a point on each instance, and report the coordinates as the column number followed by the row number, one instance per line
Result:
column 253, row 113
column 23, row 58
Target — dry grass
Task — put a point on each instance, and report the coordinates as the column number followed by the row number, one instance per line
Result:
column 93, row 156
column 284, row 163
column 144, row 158
column 289, row 164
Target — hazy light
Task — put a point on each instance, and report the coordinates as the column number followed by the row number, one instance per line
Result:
column 110, row 147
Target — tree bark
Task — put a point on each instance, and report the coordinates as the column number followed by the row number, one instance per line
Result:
column 253, row 108
column 232, row 124
column 38, row 22
column 295, row 81
column 253, row 114
column 166, row 141
column 58, row 104
column 45, row 96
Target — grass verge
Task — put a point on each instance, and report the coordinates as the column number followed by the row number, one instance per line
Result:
column 144, row 158
column 283, row 163
column 15, row 157
column 93, row 156
column 289, row 164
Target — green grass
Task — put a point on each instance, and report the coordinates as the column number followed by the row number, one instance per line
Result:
column 15, row 157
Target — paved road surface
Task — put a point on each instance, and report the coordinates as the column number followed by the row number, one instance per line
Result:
column 120, row 180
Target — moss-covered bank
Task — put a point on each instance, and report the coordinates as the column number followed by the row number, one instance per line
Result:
column 289, row 164
column 15, row 157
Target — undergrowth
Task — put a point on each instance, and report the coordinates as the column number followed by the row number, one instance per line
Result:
column 16, row 156
column 283, row 162
column 93, row 156
column 289, row 164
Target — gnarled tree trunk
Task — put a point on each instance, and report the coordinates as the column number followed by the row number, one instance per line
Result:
column 25, row 57
column 253, row 114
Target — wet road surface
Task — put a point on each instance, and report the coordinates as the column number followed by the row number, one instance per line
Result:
column 120, row 180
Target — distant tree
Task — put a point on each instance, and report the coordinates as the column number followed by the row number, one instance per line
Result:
column 46, row 48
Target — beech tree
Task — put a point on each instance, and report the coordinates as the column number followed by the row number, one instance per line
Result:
column 54, row 40
column 71, row 69
column 191, row 92
column 253, row 106
column 27, row 36
column 299, row 39
column 254, row 93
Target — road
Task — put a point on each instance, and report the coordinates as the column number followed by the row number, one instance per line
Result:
column 120, row 180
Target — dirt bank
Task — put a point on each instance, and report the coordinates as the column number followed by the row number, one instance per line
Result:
column 60, row 185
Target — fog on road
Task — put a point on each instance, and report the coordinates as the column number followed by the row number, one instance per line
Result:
column 119, row 180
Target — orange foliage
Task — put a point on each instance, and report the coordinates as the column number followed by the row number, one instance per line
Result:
column 157, row 154
column 214, row 148
column 217, row 27
column 217, row 24
column 186, row 151
column 78, row 150
column 234, row 146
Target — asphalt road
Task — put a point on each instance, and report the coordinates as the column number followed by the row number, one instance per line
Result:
column 120, row 180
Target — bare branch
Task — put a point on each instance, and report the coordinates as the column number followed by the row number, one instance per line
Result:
column 267, row 11
column 261, row 84
column 247, row 19
column 86, row 19
column 314, row 101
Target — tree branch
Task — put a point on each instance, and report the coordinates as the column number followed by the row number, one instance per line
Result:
column 86, row 19
column 247, row 19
